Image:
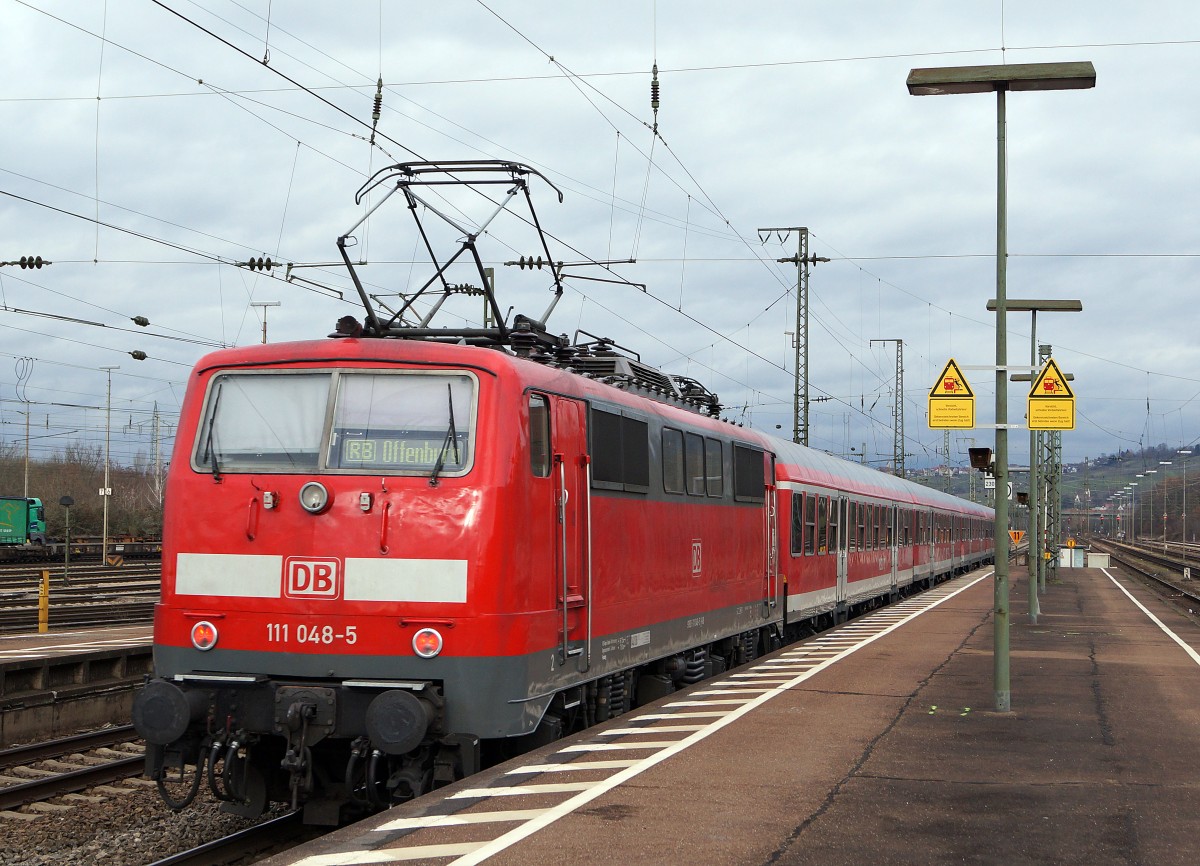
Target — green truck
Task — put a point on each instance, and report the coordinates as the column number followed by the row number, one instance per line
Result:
column 22, row 521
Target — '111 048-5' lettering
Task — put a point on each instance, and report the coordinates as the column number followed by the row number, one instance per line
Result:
column 283, row 632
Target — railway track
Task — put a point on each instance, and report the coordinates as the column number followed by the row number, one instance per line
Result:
column 273, row 836
column 95, row 595
column 1163, row 571
column 67, row 766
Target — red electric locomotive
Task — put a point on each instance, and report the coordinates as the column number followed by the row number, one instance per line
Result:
column 386, row 548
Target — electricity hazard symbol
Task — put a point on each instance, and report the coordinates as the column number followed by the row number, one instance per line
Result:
column 951, row 400
column 1051, row 402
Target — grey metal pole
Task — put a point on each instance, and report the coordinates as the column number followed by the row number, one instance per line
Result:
column 1035, row 538
column 1000, row 651
column 107, row 491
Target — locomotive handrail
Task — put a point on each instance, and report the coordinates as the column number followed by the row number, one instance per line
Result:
column 587, row 498
column 383, row 527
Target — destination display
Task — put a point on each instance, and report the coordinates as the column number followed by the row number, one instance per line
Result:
column 401, row 450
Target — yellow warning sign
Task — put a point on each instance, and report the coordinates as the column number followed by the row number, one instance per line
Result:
column 952, row 383
column 1017, row 535
column 1051, row 402
column 951, row 400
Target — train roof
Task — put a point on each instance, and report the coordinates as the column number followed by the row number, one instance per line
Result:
column 816, row 467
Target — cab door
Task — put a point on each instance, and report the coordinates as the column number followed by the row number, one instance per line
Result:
column 571, row 474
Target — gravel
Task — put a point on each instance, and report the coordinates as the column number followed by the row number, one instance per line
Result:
column 123, row 829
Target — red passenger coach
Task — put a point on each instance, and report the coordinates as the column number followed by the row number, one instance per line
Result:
column 395, row 552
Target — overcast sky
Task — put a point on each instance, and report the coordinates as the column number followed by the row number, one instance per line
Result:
column 173, row 125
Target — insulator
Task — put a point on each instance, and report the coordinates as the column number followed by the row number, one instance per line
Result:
column 654, row 88
column 31, row 262
column 138, row 355
column 140, row 320
column 378, row 100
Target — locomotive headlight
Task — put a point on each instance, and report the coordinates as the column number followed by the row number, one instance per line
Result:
column 314, row 498
column 427, row 643
column 204, row 635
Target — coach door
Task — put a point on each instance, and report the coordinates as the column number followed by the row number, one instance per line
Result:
column 770, row 536
column 842, row 513
column 570, row 471
column 894, row 544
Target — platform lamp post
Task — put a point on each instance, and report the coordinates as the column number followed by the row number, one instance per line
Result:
column 106, row 491
column 1000, row 80
column 1034, row 306
column 1150, row 495
column 1185, row 452
column 1132, row 488
column 1164, row 517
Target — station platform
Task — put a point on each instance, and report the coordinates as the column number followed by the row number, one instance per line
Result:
column 54, row 683
column 875, row 742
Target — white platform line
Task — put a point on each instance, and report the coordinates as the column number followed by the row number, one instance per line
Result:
column 391, row 855
column 522, row 790
column 618, row 747
column 571, row 766
column 656, row 729
column 686, row 715
column 459, row 820
column 1158, row 622
column 732, row 690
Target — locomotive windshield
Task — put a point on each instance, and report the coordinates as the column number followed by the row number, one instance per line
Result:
column 403, row 423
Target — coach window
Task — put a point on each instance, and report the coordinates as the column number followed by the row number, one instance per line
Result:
column 823, row 524
column 810, row 525
column 714, row 466
column 693, row 461
column 797, row 542
column 672, row 460
column 539, row 436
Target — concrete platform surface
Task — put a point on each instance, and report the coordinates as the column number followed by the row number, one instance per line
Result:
column 877, row 742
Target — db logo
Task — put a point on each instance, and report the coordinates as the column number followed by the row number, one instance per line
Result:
column 312, row 578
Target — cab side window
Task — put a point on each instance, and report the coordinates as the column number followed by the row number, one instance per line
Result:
column 539, row 436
